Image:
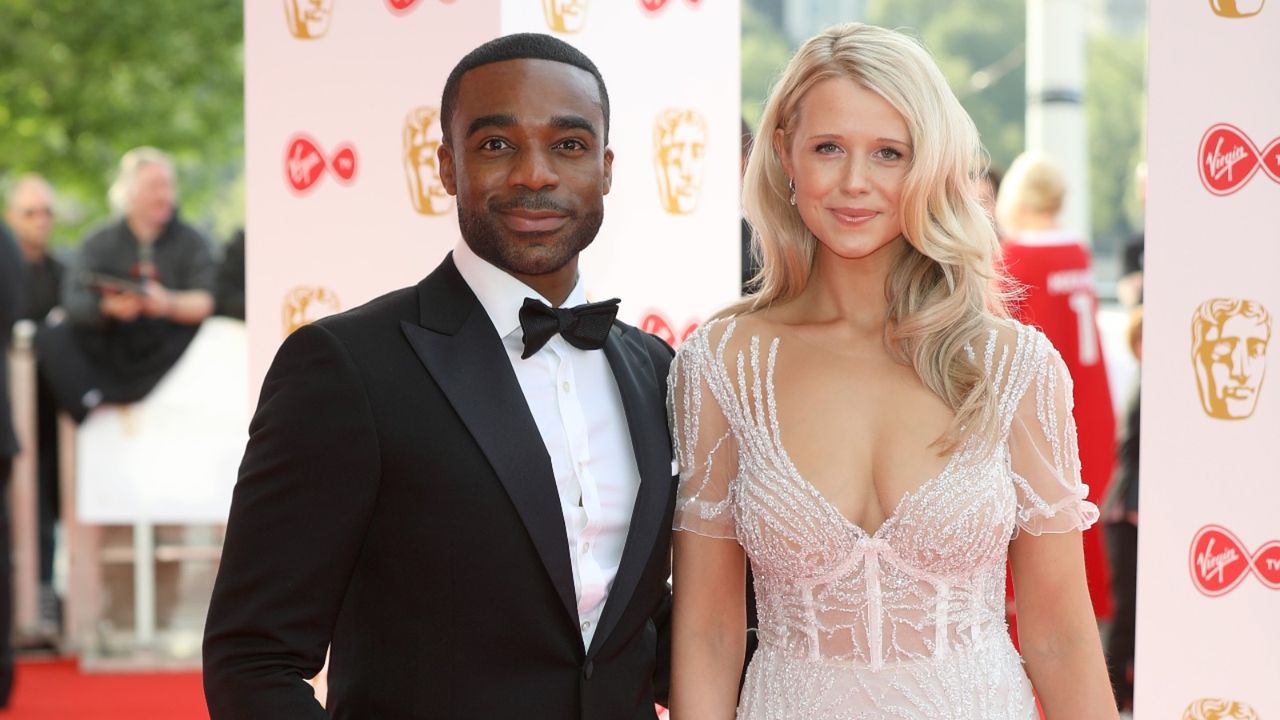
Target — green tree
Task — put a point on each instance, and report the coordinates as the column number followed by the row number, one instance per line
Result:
column 84, row 82
column 765, row 53
column 1115, row 102
column 979, row 48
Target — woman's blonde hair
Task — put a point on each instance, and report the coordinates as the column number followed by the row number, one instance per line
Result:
column 941, row 289
column 1034, row 183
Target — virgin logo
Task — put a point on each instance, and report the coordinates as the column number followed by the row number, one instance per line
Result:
column 656, row 6
column 1228, row 159
column 653, row 321
column 305, row 164
column 1219, row 561
column 403, row 6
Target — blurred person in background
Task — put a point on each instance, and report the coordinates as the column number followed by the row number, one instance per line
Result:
column 29, row 211
column 229, row 297
column 1133, row 254
column 135, row 294
column 12, row 298
column 1120, row 522
column 1052, row 269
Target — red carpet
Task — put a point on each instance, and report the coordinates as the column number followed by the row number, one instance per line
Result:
column 57, row 690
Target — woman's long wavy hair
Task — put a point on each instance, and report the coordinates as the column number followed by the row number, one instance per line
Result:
column 942, row 290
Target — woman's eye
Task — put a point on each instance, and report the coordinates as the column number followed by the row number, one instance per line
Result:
column 827, row 148
column 888, row 153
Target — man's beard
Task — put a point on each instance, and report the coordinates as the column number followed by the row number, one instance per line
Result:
column 488, row 240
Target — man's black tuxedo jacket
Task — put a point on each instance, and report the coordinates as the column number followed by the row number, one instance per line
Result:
column 396, row 499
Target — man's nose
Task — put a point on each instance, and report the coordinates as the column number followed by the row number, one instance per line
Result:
column 533, row 170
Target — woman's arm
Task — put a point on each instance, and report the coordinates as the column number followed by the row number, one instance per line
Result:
column 1057, row 631
column 709, row 626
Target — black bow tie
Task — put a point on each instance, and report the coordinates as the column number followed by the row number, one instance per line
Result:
column 585, row 326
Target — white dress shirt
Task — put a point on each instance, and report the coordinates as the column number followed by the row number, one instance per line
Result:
column 575, row 403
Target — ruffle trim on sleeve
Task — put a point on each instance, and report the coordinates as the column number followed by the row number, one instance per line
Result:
column 713, row 520
column 1070, row 513
column 1037, row 516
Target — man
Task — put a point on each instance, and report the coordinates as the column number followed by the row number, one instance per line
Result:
column 29, row 211
column 473, row 512
column 137, row 291
column 12, row 296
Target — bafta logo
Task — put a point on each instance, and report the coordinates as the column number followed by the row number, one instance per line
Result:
column 422, row 137
column 565, row 16
column 679, row 150
column 1237, row 8
column 308, row 19
column 1214, row 709
column 305, row 304
column 1229, row 352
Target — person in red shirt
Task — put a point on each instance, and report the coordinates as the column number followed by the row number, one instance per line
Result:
column 1050, row 271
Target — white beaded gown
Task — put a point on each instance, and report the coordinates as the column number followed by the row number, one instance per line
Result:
column 908, row 622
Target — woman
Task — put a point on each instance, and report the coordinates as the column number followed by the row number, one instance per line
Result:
column 873, row 432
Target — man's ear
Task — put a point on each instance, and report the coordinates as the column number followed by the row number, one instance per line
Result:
column 448, row 174
column 608, row 170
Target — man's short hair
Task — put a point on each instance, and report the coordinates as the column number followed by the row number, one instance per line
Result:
column 520, row 46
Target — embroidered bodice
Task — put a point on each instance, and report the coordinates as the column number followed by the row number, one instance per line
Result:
column 884, row 610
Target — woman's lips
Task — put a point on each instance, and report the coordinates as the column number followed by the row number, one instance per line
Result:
column 853, row 216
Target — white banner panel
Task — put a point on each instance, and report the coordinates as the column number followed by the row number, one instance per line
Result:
column 669, row 246
column 341, row 129
column 1208, row 636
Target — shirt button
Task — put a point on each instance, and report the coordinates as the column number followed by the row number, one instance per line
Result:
column 586, row 625
column 582, row 467
column 565, row 386
column 586, row 547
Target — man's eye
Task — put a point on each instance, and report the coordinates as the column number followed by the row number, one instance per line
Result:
column 572, row 144
column 494, row 144
column 1222, row 348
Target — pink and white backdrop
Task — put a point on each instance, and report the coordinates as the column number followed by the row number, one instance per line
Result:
column 343, row 200
column 1209, row 548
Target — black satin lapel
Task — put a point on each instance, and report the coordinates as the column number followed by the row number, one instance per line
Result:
column 643, row 401
column 472, row 369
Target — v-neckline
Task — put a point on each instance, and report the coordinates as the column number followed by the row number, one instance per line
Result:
column 766, row 382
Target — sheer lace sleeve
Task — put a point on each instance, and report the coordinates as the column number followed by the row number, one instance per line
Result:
column 1042, row 442
column 704, row 445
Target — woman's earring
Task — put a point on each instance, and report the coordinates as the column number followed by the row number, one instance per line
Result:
column 791, row 183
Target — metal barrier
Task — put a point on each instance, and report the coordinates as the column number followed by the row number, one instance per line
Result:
column 24, row 489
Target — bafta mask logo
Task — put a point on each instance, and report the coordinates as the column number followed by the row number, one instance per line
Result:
column 1229, row 340
column 308, row 19
column 305, row 164
column 565, row 16
column 305, row 304
column 1215, row 709
column 1236, row 8
column 679, row 153
column 1228, row 159
column 422, row 138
